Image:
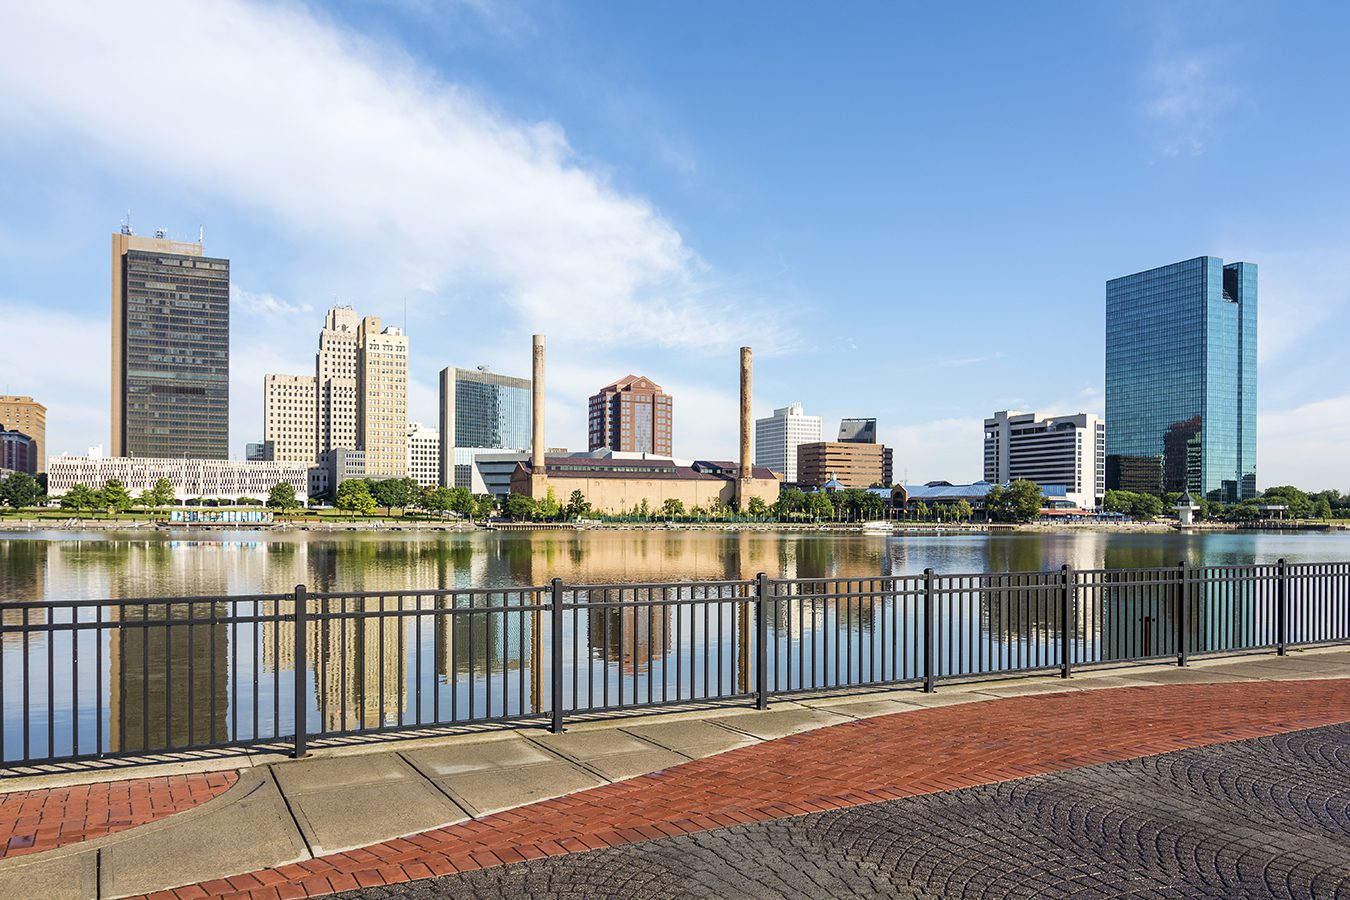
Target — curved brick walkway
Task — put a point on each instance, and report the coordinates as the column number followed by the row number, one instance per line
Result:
column 43, row 819
column 862, row 762
column 1268, row 817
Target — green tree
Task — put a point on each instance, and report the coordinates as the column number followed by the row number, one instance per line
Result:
column 819, row 506
column 673, row 508
column 1020, row 501
column 519, row 508
column 791, row 503
column 1323, row 508
column 162, row 494
column 1299, row 503
column 920, row 510
column 115, row 496
column 20, row 490
column 549, row 508
column 354, row 496
column 485, row 506
column 79, row 497
column 962, row 510
column 1146, row 506
column 578, row 505
column 757, row 507
column 437, row 500
column 393, row 492
column 282, row 497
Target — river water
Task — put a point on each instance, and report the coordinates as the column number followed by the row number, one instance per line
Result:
column 91, row 565
column 109, row 678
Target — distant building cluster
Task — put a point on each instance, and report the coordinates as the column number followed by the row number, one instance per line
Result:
column 1180, row 410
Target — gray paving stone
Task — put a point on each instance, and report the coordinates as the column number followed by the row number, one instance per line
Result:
column 495, row 789
column 461, row 757
column 693, row 737
column 55, row 876
column 776, row 723
column 618, row 766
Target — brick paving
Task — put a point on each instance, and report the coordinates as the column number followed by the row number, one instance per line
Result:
column 863, row 762
column 43, row 819
column 1268, row 817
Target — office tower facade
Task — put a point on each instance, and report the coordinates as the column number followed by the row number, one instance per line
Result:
column 854, row 465
column 857, row 431
column 633, row 415
column 778, row 436
column 170, row 349
column 1050, row 450
column 30, row 417
column 335, row 376
column 1181, row 379
column 290, row 418
column 424, row 454
column 480, row 412
column 18, row 453
column 382, row 382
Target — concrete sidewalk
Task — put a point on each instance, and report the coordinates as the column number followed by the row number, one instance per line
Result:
column 284, row 811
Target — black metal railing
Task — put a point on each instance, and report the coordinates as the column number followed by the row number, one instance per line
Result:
column 135, row 678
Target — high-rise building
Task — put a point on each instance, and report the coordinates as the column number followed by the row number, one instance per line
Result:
column 256, row 451
column 27, row 415
column 170, row 349
column 480, row 412
column 857, row 431
column 632, row 415
column 18, row 453
column 777, row 438
column 424, row 454
column 290, row 418
column 382, row 392
column 1181, row 379
column 1069, row 451
column 335, row 371
column 852, row 464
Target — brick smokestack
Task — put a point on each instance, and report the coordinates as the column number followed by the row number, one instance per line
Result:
column 537, row 406
column 746, row 467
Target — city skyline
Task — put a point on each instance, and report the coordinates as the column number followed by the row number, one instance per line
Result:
column 658, row 247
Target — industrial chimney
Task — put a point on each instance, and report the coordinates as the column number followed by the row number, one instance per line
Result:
column 538, row 477
column 746, row 471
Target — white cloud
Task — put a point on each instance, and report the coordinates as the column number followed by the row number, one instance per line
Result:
column 404, row 182
column 944, row 449
column 264, row 304
column 1306, row 445
column 1186, row 92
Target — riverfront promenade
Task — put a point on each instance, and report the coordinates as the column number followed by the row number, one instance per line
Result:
column 605, row 799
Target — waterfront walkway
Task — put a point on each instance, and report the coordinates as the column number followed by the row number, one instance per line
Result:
column 643, row 791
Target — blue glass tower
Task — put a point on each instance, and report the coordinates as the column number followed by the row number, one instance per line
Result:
column 1181, row 380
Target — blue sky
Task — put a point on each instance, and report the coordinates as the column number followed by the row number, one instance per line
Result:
column 909, row 210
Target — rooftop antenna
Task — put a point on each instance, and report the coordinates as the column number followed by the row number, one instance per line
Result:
column 405, row 313
column 126, row 223
column 201, row 234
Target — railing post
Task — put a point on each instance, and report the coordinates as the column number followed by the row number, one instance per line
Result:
column 929, row 632
column 556, row 654
column 301, row 666
column 1066, row 623
column 1183, row 612
column 761, row 642
column 1281, row 607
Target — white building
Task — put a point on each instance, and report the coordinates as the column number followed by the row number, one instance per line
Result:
column 778, row 436
column 190, row 477
column 424, row 454
column 1064, row 451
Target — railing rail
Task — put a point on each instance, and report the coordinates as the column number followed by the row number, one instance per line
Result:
column 136, row 677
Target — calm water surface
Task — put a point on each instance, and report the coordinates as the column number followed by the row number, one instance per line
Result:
column 123, row 679
column 76, row 565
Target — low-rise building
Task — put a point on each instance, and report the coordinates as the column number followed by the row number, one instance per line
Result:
column 190, row 478
column 30, row 417
column 613, row 484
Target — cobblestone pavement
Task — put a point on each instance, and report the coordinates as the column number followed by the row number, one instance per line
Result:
column 1267, row 817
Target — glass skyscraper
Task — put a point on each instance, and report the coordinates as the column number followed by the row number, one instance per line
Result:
column 480, row 410
column 1181, row 380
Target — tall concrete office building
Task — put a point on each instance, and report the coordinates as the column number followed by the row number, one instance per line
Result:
column 26, row 415
column 290, row 418
column 170, row 349
column 335, row 374
column 481, row 412
column 1067, row 451
column 382, row 395
column 634, row 415
column 424, row 454
column 1181, row 379
column 778, row 436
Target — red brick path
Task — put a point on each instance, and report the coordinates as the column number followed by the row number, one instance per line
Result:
column 844, row 765
column 31, row 821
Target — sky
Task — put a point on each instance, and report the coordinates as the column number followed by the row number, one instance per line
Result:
column 908, row 210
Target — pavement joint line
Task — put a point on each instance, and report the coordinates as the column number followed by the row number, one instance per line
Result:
column 463, row 805
column 295, row 821
column 578, row 763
